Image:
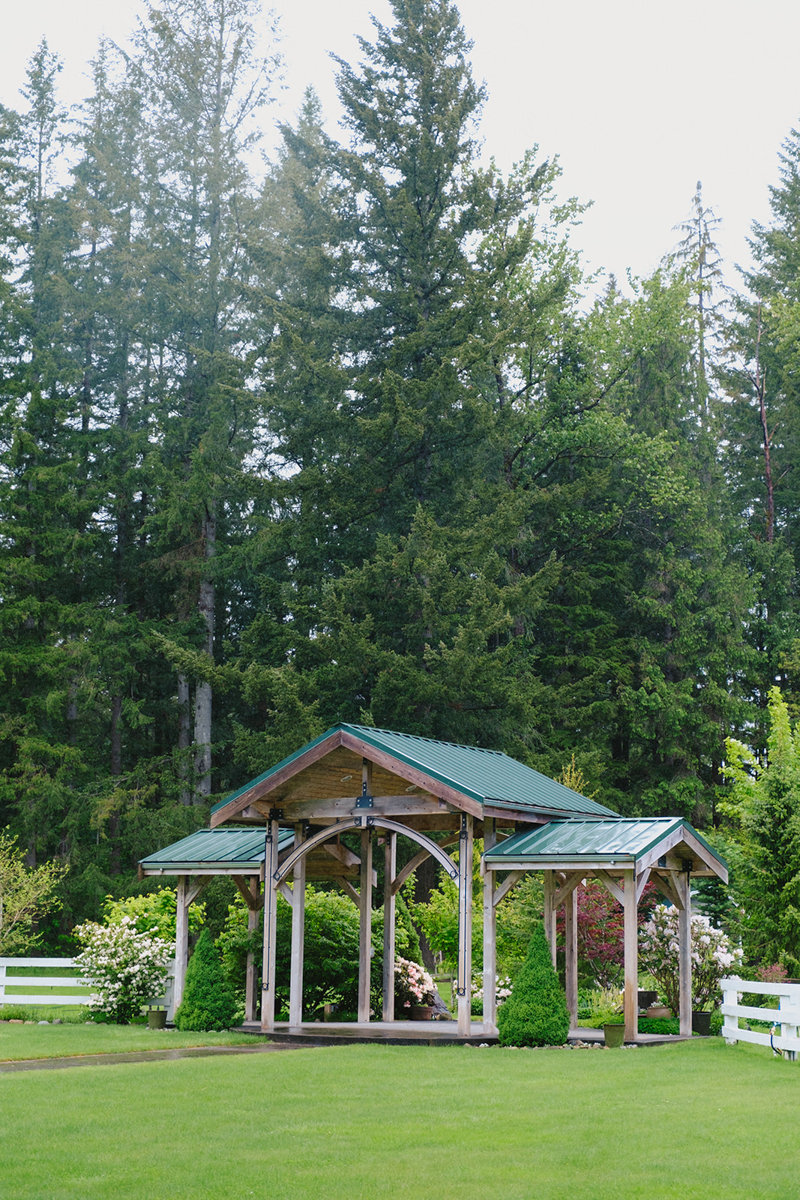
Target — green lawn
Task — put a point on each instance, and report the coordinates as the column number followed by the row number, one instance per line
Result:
column 697, row 1120
column 56, row 1041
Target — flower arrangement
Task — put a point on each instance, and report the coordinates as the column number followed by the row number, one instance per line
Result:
column 412, row 984
column 711, row 951
column 503, row 988
column 126, row 967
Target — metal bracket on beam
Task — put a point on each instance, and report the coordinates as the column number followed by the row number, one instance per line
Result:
column 365, row 800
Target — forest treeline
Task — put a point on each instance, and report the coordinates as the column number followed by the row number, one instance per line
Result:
column 339, row 435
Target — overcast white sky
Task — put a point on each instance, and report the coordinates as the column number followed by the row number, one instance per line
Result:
column 639, row 98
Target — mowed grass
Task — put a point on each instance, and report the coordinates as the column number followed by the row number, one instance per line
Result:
column 57, row 1041
column 698, row 1120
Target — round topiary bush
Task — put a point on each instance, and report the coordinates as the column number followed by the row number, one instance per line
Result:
column 208, row 1001
column 535, row 1013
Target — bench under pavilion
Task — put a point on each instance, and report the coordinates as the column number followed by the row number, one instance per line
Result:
column 284, row 829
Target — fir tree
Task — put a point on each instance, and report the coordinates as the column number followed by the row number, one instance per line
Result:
column 535, row 1014
column 208, row 1000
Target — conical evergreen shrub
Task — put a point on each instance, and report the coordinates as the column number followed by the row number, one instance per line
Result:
column 208, row 1001
column 535, row 1013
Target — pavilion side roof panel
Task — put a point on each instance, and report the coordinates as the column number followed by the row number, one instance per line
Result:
column 596, row 843
column 226, row 849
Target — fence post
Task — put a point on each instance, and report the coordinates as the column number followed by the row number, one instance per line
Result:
column 2, row 984
column 730, row 1025
column 790, row 1021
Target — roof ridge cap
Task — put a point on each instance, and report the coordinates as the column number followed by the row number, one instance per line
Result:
column 419, row 737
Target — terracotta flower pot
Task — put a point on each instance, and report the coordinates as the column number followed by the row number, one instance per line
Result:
column 659, row 1012
column 614, row 1035
column 422, row 1012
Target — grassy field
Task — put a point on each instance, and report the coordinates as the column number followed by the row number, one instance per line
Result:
column 56, row 1041
column 696, row 1121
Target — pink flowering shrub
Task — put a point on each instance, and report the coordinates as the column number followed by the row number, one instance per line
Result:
column 127, row 968
column 712, row 956
column 776, row 973
column 412, row 984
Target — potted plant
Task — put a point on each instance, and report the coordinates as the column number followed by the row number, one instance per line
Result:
column 156, row 1016
column 614, row 1033
column 414, row 990
column 701, row 1022
column 605, row 1012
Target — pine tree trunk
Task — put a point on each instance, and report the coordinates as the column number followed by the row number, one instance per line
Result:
column 184, row 736
column 203, row 692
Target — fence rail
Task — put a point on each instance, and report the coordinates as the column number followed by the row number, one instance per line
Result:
column 787, row 1015
column 17, row 983
column 12, row 986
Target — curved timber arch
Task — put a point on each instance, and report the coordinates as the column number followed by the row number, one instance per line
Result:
column 366, row 822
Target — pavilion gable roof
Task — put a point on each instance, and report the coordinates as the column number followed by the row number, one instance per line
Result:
column 484, row 782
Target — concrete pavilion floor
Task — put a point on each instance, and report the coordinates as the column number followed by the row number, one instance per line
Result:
column 398, row 1033
column 417, row 1033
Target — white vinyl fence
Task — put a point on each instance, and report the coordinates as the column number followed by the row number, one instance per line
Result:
column 787, row 1016
column 33, row 991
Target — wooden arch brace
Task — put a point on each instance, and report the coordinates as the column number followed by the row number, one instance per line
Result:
column 417, row 861
column 277, row 874
column 367, row 822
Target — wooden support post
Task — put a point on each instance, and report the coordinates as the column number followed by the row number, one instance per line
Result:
column 464, row 980
column 365, row 927
column 298, row 936
column 270, row 922
column 571, row 955
column 631, row 998
column 250, row 975
column 389, row 904
column 489, row 935
column 181, row 941
column 685, row 952
column 550, row 913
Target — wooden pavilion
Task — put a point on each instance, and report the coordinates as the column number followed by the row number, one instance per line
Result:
column 377, row 782
column 623, row 854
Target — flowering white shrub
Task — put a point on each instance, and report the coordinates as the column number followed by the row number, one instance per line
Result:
column 127, row 968
column 412, row 983
column 712, row 956
column 503, row 988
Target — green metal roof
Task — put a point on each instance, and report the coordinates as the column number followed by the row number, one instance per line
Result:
column 487, row 776
column 233, row 851
column 624, row 840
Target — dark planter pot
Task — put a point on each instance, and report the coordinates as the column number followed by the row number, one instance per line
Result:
column 647, row 998
column 157, row 1018
column 701, row 1023
column 422, row 1012
column 614, row 1035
